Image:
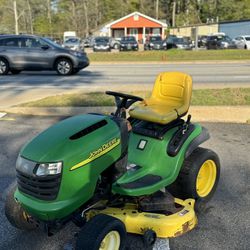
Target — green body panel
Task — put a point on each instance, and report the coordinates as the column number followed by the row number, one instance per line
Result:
column 77, row 186
column 153, row 160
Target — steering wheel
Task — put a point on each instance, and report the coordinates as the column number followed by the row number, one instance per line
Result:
column 123, row 101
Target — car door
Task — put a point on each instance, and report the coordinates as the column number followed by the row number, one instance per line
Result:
column 38, row 54
column 12, row 50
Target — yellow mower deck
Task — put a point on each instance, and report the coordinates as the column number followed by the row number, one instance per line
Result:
column 165, row 226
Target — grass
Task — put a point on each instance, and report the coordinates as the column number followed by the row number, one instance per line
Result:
column 171, row 56
column 210, row 97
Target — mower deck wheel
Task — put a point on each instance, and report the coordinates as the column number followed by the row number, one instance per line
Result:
column 15, row 213
column 102, row 232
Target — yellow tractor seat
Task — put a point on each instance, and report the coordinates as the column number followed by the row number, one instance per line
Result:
column 170, row 99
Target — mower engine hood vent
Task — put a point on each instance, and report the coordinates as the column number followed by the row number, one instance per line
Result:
column 88, row 130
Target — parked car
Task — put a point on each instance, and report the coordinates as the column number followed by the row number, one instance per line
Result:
column 202, row 41
column 174, row 42
column 102, row 43
column 242, row 42
column 73, row 43
column 220, row 42
column 114, row 43
column 153, row 43
column 128, row 43
column 28, row 52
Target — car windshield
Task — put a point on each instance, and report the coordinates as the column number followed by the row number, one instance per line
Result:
column 72, row 40
column 226, row 38
column 155, row 39
column 102, row 40
column 179, row 40
column 128, row 39
column 247, row 38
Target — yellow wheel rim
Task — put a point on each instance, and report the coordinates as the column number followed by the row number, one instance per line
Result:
column 111, row 241
column 206, row 178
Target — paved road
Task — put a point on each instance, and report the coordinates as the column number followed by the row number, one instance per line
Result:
column 224, row 225
column 102, row 74
column 15, row 89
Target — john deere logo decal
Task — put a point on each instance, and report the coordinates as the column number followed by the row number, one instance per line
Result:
column 105, row 148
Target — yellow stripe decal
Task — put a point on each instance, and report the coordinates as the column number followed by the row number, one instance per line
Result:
column 105, row 148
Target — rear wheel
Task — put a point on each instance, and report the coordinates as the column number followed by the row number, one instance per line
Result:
column 199, row 176
column 4, row 66
column 15, row 71
column 64, row 66
column 102, row 232
column 15, row 213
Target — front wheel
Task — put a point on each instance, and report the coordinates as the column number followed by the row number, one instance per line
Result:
column 15, row 213
column 199, row 176
column 4, row 66
column 102, row 232
column 64, row 66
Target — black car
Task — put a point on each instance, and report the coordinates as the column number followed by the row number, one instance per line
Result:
column 28, row 52
column 174, row 42
column 102, row 43
column 128, row 43
column 220, row 42
column 153, row 43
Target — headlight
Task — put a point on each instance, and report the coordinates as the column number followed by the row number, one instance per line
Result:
column 151, row 44
column 40, row 169
column 164, row 44
column 49, row 169
column 76, row 53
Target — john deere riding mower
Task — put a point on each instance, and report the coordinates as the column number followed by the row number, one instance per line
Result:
column 117, row 174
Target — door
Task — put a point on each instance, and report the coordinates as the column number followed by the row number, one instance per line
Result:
column 37, row 56
column 11, row 48
column 134, row 32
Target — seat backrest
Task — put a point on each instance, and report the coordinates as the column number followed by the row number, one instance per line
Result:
column 173, row 89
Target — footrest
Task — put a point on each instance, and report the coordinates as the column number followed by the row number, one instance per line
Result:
column 147, row 180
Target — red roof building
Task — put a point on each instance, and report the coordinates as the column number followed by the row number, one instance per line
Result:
column 138, row 25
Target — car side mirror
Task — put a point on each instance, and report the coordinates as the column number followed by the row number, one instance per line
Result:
column 45, row 47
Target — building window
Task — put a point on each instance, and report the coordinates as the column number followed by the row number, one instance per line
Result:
column 136, row 17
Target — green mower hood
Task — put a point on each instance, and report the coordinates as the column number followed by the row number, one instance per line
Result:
column 54, row 143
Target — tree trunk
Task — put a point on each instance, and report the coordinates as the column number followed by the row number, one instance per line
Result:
column 173, row 13
column 16, row 17
column 86, row 18
column 49, row 16
column 30, row 17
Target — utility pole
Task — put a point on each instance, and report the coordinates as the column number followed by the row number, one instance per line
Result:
column 157, row 9
column 30, row 17
column 16, row 17
column 173, row 13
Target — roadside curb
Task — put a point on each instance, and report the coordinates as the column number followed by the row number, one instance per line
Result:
column 227, row 114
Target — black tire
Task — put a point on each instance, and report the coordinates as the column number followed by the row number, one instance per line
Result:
column 15, row 213
column 64, row 66
column 245, row 47
column 187, row 179
column 136, row 242
column 96, row 229
column 4, row 66
column 15, row 71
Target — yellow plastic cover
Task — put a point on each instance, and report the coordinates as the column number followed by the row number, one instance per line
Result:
column 170, row 99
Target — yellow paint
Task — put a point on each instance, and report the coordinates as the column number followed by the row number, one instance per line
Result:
column 105, row 148
column 206, row 178
column 170, row 98
column 164, row 226
column 111, row 241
